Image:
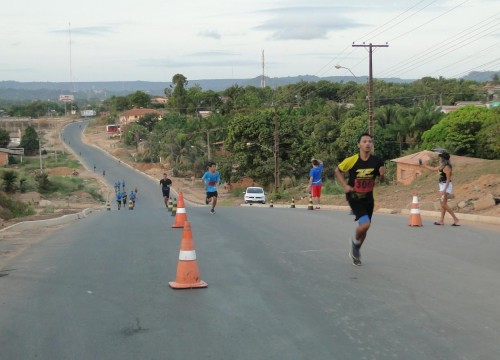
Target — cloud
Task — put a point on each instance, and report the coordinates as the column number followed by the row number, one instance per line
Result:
column 213, row 53
column 87, row 30
column 210, row 34
column 305, row 23
column 201, row 61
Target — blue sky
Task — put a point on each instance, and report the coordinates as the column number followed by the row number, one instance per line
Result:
column 153, row 40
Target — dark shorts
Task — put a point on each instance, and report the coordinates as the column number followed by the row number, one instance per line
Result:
column 361, row 207
column 166, row 193
column 211, row 194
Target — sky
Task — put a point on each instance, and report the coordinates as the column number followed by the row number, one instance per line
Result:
column 124, row 40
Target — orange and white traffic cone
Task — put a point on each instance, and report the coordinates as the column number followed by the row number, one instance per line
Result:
column 180, row 214
column 415, row 218
column 188, row 274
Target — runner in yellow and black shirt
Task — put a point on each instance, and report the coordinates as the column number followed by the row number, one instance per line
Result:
column 362, row 168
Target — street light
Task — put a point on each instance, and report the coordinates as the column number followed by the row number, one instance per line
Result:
column 343, row 67
column 371, row 129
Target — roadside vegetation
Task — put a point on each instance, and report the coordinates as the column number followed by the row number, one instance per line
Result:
column 26, row 176
column 244, row 129
column 260, row 132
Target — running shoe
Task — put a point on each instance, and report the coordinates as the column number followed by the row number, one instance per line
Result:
column 354, row 253
column 317, row 208
column 212, row 211
column 207, row 200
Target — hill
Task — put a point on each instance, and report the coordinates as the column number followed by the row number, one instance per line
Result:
column 22, row 91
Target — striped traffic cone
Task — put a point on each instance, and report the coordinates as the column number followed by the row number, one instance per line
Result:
column 293, row 204
column 180, row 214
column 310, row 206
column 415, row 218
column 188, row 274
column 174, row 207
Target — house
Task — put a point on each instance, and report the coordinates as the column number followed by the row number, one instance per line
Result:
column 409, row 167
column 134, row 115
column 159, row 100
column 15, row 139
column 450, row 108
column 4, row 155
column 204, row 113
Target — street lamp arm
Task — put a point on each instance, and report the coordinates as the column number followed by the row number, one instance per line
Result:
column 343, row 67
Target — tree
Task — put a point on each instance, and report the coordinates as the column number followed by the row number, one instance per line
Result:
column 347, row 142
column 29, row 141
column 4, row 138
column 140, row 99
column 148, row 121
column 9, row 181
column 178, row 100
column 458, row 131
column 134, row 134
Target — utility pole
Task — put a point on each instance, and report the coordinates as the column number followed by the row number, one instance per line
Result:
column 276, row 151
column 209, row 156
column 40, row 147
column 371, row 103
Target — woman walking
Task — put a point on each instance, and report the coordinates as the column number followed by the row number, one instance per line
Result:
column 445, row 170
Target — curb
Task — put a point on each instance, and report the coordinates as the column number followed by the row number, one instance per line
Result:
column 494, row 220
column 48, row 222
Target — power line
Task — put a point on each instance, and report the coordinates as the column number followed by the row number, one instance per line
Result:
column 438, row 51
column 428, row 22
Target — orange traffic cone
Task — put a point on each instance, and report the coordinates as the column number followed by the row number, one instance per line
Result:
column 415, row 218
column 188, row 275
column 180, row 214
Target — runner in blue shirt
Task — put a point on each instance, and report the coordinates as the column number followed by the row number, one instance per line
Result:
column 118, row 198
column 132, row 197
column 212, row 180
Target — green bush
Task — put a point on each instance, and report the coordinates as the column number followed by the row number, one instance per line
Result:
column 12, row 209
column 9, row 181
column 331, row 187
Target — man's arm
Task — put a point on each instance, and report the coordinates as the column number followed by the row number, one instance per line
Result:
column 340, row 177
column 381, row 172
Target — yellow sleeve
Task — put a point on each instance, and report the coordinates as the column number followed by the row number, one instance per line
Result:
column 348, row 163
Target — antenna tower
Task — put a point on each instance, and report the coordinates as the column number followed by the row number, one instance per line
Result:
column 70, row 60
column 263, row 77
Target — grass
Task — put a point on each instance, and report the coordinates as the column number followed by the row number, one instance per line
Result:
column 58, row 186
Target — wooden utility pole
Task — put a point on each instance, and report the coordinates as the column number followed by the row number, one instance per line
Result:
column 371, row 103
column 276, row 151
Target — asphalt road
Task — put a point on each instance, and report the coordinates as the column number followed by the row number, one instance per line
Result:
column 280, row 286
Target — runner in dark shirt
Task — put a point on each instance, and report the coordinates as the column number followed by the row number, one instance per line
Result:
column 362, row 168
column 165, row 184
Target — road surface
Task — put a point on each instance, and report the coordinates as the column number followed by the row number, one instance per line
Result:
column 280, row 286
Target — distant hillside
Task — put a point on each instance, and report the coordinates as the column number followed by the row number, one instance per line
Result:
column 481, row 76
column 22, row 91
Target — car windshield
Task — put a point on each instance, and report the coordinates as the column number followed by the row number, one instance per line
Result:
column 255, row 191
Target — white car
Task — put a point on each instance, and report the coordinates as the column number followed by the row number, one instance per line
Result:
column 255, row 195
